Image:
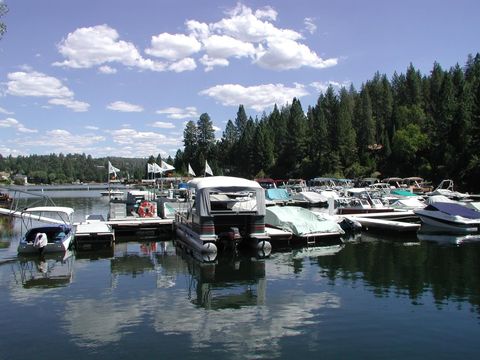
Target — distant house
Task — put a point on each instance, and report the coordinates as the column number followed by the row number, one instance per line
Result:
column 4, row 176
column 20, row 179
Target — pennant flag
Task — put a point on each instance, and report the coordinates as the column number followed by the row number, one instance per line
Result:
column 112, row 169
column 150, row 168
column 166, row 167
column 190, row 171
column 208, row 169
column 156, row 169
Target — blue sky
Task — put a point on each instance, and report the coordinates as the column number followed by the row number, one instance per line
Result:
column 121, row 78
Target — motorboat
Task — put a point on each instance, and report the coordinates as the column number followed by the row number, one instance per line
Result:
column 223, row 212
column 55, row 235
column 94, row 233
column 112, row 192
column 450, row 216
column 445, row 188
column 305, row 225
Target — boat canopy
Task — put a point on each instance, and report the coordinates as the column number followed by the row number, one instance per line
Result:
column 454, row 209
column 232, row 188
column 299, row 221
column 50, row 209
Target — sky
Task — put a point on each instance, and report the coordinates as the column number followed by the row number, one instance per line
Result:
column 122, row 78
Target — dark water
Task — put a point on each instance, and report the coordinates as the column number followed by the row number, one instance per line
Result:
column 376, row 297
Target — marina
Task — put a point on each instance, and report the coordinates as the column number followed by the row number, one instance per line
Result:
column 146, row 291
column 146, row 296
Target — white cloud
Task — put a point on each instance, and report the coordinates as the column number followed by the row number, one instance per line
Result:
column 15, row 124
column 152, row 142
column 197, row 29
column 173, row 46
column 91, row 127
column 162, row 125
column 258, row 97
column 310, row 25
column 224, row 46
column 321, row 87
column 60, row 140
column 210, row 63
column 179, row 113
column 244, row 25
column 266, row 13
column 4, row 111
column 285, row 54
column 186, row 64
column 98, row 45
column 105, row 69
column 77, row 106
column 124, row 107
column 36, row 84
column 243, row 32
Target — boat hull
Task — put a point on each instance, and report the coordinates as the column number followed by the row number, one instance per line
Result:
column 447, row 224
column 55, row 247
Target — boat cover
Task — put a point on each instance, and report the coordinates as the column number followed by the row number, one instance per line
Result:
column 454, row 209
column 277, row 194
column 310, row 196
column 402, row 192
column 299, row 221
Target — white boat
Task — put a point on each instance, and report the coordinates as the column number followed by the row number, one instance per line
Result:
column 94, row 233
column 112, row 192
column 450, row 216
column 55, row 235
column 226, row 211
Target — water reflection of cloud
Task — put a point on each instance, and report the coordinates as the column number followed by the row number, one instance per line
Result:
column 93, row 322
column 247, row 330
column 244, row 331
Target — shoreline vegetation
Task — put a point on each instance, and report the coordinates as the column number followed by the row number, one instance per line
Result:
column 413, row 124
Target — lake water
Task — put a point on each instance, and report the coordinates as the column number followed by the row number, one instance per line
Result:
column 376, row 297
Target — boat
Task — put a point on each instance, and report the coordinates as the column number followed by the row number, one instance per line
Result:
column 55, row 235
column 450, row 216
column 445, row 188
column 223, row 212
column 94, row 233
column 306, row 226
column 111, row 192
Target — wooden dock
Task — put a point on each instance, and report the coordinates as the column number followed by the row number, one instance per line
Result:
column 155, row 225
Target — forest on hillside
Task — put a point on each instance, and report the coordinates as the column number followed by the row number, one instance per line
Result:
column 413, row 124
column 410, row 125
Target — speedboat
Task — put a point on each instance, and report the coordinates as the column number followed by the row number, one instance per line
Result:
column 55, row 235
column 450, row 216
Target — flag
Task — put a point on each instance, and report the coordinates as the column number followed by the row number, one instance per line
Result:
column 112, row 169
column 208, row 169
column 190, row 171
column 156, row 169
column 150, row 168
column 166, row 167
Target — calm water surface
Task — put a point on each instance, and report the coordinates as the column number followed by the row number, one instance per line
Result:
column 375, row 297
